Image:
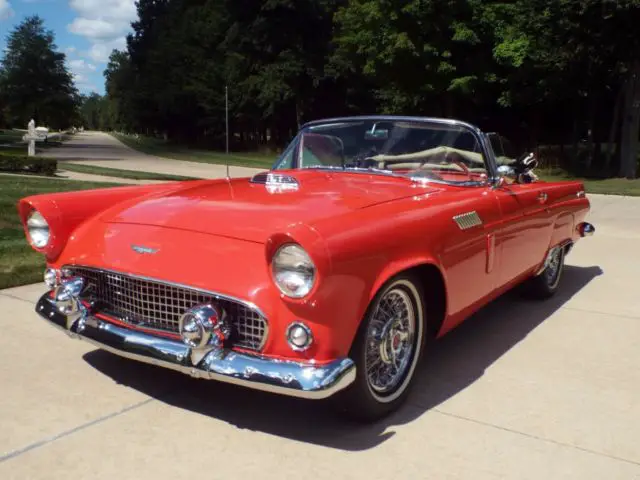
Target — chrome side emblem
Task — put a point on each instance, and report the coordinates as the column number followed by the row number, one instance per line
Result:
column 468, row 220
column 142, row 249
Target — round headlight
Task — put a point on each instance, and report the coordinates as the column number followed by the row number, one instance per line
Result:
column 293, row 271
column 38, row 229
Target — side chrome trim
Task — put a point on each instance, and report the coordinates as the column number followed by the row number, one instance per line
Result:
column 468, row 220
column 246, row 303
column 297, row 379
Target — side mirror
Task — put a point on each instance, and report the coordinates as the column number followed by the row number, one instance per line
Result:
column 526, row 163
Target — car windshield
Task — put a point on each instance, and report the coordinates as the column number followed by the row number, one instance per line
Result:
column 443, row 152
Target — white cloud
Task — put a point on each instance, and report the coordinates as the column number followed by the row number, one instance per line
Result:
column 94, row 29
column 79, row 77
column 118, row 10
column 70, row 50
column 79, row 65
column 85, row 87
column 81, row 71
column 104, row 23
column 100, row 51
column 5, row 10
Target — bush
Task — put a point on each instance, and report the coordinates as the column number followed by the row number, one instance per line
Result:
column 25, row 164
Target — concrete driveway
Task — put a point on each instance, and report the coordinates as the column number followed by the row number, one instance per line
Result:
column 102, row 150
column 522, row 390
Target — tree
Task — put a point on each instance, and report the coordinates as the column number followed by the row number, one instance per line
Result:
column 419, row 54
column 35, row 82
column 94, row 111
column 120, row 89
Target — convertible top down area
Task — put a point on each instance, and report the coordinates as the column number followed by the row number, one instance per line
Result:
column 325, row 276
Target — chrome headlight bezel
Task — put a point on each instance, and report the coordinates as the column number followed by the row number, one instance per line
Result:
column 290, row 265
column 38, row 229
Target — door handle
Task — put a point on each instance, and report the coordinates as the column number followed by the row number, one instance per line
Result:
column 542, row 197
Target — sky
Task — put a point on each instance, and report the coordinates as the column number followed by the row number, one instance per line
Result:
column 85, row 30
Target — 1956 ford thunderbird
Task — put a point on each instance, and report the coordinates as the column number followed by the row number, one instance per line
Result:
column 326, row 276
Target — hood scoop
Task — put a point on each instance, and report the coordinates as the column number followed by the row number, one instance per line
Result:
column 275, row 182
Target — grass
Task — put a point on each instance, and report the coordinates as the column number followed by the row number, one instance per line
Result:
column 10, row 136
column 19, row 263
column 606, row 186
column 160, row 148
column 116, row 172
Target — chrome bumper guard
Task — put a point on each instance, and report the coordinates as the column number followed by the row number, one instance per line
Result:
column 291, row 378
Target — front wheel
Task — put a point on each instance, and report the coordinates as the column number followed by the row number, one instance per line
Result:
column 386, row 350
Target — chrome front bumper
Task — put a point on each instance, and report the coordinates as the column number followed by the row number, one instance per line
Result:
column 295, row 379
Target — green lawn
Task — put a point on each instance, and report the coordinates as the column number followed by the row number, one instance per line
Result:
column 160, row 148
column 116, row 172
column 608, row 186
column 10, row 136
column 19, row 263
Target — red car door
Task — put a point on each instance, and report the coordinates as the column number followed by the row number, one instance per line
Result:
column 526, row 227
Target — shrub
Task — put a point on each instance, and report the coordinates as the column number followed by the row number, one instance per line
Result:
column 25, row 164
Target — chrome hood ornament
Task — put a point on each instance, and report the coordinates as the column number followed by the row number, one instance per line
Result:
column 276, row 183
column 142, row 249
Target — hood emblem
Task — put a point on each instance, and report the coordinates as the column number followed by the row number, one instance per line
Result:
column 142, row 249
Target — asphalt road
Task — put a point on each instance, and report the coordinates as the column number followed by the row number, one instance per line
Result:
column 522, row 390
column 103, row 150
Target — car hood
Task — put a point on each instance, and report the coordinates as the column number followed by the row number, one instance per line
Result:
column 250, row 211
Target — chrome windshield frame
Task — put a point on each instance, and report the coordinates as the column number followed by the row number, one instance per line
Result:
column 482, row 139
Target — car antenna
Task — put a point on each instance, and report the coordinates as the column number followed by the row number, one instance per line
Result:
column 226, row 116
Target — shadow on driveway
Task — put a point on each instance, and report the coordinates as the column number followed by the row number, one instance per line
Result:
column 454, row 362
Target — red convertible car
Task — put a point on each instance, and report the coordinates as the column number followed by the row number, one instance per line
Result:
column 326, row 276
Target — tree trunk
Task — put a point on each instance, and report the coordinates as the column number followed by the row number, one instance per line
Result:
column 631, row 125
column 613, row 131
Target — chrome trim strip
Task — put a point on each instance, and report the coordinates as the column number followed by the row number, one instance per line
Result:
column 174, row 284
column 297, row 379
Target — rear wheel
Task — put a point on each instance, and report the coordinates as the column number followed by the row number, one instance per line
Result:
column 546, row 283
column 386, row 350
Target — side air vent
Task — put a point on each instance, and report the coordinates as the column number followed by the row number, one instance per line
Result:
column 276, row 181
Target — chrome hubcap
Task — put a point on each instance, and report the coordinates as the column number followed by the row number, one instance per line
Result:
column 390, row 341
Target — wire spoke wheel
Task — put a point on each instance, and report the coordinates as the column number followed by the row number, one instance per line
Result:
column 390, row 341
column 553, row 270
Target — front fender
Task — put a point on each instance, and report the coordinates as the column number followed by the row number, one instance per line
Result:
column 65, row 211
column 398, row 266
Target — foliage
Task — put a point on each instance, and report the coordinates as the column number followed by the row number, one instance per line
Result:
column 10, row 162
column 538, row 71
column 34, row 81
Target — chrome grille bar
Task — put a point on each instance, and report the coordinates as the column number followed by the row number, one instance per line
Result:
column 143, row 302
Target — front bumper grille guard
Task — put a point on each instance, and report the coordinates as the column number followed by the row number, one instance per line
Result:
column 297, row 379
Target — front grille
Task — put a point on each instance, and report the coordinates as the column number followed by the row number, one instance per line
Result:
column 153, row 304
